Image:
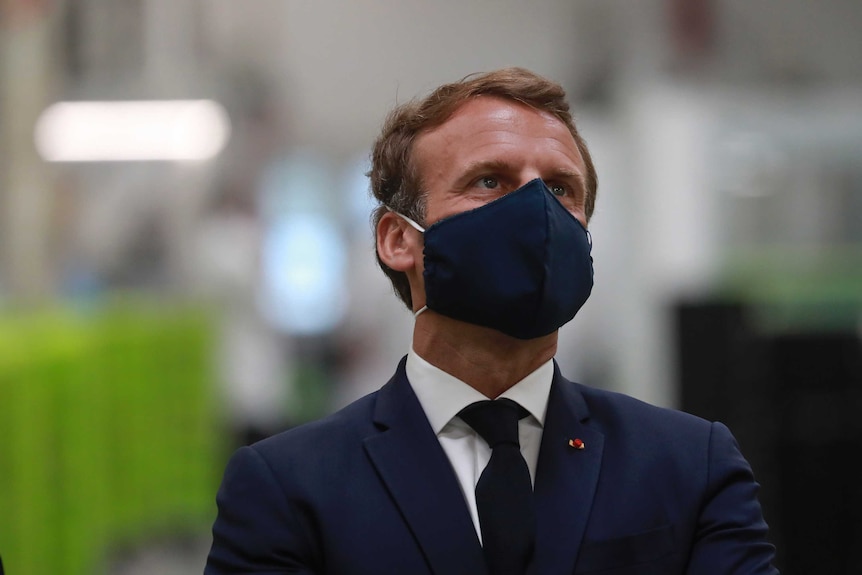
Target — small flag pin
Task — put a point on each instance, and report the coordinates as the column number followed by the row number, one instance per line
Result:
column 576, row 443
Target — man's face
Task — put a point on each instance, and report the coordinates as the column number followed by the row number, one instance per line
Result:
column 492, row 146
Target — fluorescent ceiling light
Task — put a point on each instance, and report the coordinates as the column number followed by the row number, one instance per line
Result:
column 178, row 130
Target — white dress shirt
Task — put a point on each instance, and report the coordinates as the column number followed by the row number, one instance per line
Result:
column 442, row 396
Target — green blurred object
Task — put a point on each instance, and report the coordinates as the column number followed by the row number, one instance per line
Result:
column 109, row 434
column 792, row 289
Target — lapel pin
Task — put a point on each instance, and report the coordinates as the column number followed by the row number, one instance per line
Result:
column 576, row 443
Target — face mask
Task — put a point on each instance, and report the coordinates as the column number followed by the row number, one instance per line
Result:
column 520, row 264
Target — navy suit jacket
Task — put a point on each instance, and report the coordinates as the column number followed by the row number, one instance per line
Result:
column 370, row 491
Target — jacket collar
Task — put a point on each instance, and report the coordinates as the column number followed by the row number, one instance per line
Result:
column 418, row 475
column 566, row 478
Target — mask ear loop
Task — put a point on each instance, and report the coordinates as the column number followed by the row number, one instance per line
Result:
column 408, row 220
column 420, row 229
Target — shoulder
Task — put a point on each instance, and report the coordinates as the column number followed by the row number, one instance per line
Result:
column 272, row 490
column 334, row 445
column 626, row 419
column 306, row 454
column 331, row 434
column 605, row 404
column 675, row 448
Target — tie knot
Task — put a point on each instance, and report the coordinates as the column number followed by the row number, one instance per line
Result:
column 495, row 420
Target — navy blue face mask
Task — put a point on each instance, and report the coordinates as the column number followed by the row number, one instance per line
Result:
column 520, row 264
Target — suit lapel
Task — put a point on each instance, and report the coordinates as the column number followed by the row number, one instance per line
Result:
column 566, row 479
column 420, row 479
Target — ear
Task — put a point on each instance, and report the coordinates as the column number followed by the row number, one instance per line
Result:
column 398, row 244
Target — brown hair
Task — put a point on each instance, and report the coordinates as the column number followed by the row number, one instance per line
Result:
column 395, row 180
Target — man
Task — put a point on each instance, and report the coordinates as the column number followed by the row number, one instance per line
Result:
column 485, row 191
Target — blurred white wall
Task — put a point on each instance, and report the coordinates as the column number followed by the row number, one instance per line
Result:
column 344, row 64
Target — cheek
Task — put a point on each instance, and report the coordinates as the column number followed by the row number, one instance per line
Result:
column 455, row 205
column 581, row 216
column 470, row 200
column 576, row 208
column 579, row 213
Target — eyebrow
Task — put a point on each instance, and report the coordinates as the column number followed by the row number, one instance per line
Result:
column 502, row 165
column 485, row 165
column 567, row 173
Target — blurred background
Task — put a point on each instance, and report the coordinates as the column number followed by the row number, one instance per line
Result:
column 186, row 263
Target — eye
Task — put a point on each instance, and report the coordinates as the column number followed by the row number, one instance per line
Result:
column 488, row 182
column 557, row 189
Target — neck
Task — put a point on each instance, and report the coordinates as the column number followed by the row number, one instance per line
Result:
column 487, row 360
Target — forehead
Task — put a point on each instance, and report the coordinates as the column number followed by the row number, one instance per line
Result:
column 493, row 125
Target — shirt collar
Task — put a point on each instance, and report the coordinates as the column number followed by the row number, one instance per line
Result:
column 442, row 396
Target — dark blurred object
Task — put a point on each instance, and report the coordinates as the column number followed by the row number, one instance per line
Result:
column 692, row 30
column 792, row 400
column 818, row 410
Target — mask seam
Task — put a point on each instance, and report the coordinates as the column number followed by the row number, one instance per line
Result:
column 546, row 241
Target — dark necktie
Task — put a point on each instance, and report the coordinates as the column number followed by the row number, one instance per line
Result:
column 504, row 493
